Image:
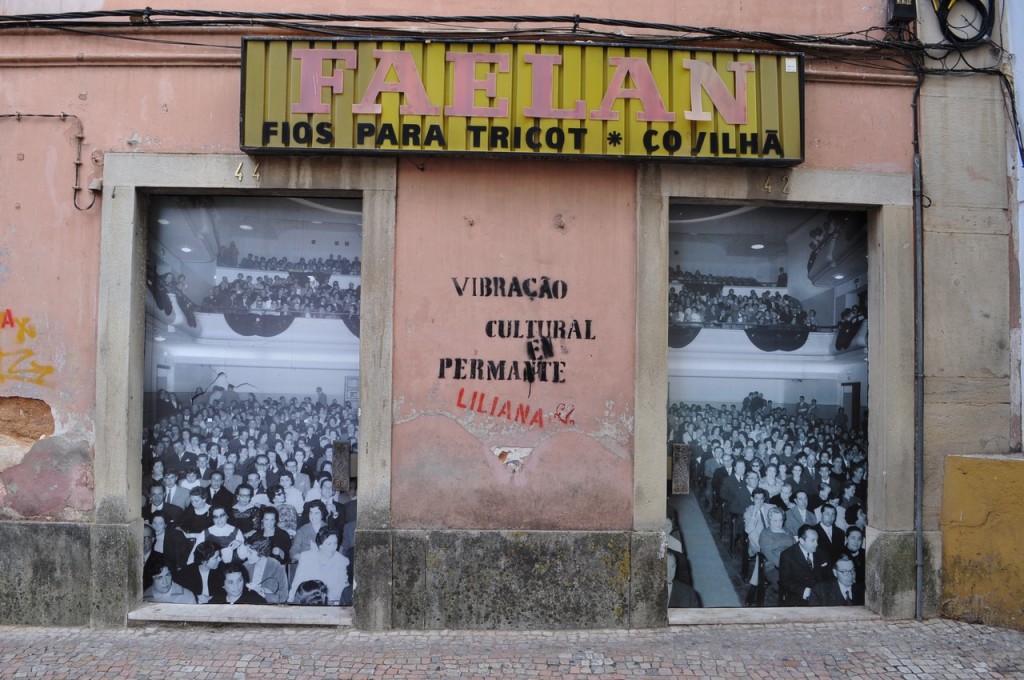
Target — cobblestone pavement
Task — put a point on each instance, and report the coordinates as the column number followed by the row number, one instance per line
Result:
column 873, row 649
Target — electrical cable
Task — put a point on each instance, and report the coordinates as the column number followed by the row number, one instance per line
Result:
column 184, row 43
column 892, row 49
column 959, row 35
column 79, row 138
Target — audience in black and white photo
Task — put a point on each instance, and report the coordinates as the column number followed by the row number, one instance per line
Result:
column 701, row 300
column 204, row 522
column 280, row 295
column 770, row 472
column 228, row 256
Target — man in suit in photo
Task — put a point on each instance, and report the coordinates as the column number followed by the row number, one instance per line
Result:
column 219, row 494
column 267, row 472
column 178, row 459
column 732, row 486
column 801, row 567
column 799, row 515
column 841, row 591
column 712, row 464
column 744, row 498
column 719, row 477
column 855, row 550
column 204, row 468
column 174, row 494
column 831, row 539
column 157, row 503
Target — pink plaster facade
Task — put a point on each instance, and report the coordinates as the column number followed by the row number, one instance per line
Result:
column 473, row 454
column 148, row 97
column 574, row 224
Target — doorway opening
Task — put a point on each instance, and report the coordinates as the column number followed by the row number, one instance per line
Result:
column 251, row 399
column 767, row 373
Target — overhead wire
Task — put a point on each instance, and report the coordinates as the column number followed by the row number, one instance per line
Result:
column 116, row 36
column 892, row 48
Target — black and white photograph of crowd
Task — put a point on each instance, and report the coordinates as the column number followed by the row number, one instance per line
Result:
column 239, row 495
column 776, row 511
column 240, row 503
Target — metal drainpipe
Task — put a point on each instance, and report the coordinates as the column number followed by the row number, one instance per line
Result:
column 918, row 361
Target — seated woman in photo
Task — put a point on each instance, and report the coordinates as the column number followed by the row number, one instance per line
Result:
column 323, row 563
column 288, row 519
column 270, row 538
column 245, row 513
column 313, row 519
column 773, row 540
column 195, row 520
column 196, row 517
column 226, row 537
column 267, row 577
column 292, row 495
column 771, row 482
column 236, row 590
column 163, row 588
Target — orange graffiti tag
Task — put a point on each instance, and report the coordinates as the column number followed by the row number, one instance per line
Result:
column 19, row 365
column 33, row 373
column 25, row 329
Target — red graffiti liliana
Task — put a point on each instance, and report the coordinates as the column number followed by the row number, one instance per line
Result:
column 499, row 408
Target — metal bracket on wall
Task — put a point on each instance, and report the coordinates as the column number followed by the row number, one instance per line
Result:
column 680, row 468
column 94, row 187
column 342, row 465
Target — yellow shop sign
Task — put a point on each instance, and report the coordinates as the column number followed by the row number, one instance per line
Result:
column 525, row 99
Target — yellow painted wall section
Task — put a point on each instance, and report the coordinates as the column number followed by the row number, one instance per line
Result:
column 983, row 540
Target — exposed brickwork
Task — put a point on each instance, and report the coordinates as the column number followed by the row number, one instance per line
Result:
column 25, row 419
column 22, row 422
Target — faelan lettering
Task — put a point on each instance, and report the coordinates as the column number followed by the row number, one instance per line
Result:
column 630, row 78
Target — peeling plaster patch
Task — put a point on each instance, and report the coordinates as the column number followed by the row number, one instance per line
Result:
column 4, row 254
column 618, row 449
column 483, row 428
column 80, row 500
column 511, row 456
column 413, row 414
column 22, row 422
column 75, row 427
column 54, row 477
column 12, row 451
column 617, row 427
column 487, row 430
